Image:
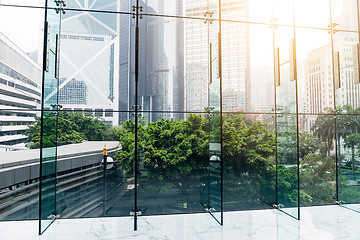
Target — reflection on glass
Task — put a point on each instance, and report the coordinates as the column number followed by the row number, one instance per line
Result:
column 173, row 162
column 47, row 137
column 287, row 125
column 249, row 170
column 183, row 88
column 287, row 164
column 348, row 160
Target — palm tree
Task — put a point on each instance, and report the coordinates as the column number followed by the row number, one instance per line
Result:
column 348, row 127
column 324, row 128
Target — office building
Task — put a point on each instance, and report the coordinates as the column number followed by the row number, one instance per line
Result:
column 235, row 56
column 20, row 93
column 89, row 64
column 161, row 77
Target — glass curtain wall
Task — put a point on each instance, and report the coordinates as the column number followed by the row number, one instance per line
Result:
column 203, row 106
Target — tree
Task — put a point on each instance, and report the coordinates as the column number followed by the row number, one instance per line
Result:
column 324, row 129
column 168, row 148
column 66, row 128
column 308, row 143
column 348, row 126
column 352, row 141
column 317, row 174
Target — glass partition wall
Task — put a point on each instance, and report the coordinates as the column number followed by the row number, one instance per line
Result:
column 204, row 106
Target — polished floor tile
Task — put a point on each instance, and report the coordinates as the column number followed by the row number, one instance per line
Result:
column 317, row 223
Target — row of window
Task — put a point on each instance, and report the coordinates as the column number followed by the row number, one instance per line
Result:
column 14, row 74
column 90, row 111
column 9, row 133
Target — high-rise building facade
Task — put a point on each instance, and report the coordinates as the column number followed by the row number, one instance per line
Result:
column 235, row 57
column 89, row 63
column 319, row 68
column 161, row 75
column 20, row 93
column 319, row 80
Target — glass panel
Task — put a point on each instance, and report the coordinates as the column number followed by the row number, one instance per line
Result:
column 48, row 134
column 19, row 176
column 286, row 125
column 257, row 55
column 24, row 3
column 287, row 164
column 215, row 107
column 180, row 8
column 100, row 6
column 20, row 96
column 235, row 67
column 347, row 91
column 96, row 93
column 250, row 168
column 314, row 64
column 346, row 78
column 173, row 162
column 82, row 183
column 89, row 70
column 262, row 14
column 347, row 125
column 312, row 13
column 317, row 159
column 283, row 12
column 344, row 14
column 161, row 66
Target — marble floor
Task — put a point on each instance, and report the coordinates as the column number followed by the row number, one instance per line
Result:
column 317, row 223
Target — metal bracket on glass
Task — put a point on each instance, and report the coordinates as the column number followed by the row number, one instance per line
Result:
column 209, row 17
column 56, row 106
column 273, row 21
column 134, row 9
column 136, row 114
column 332, row 28
column 136, row 107
column 339, row 202
column 54, row 216
column 137, row 213
column 208, row 111
column 60, row 6
column 277, row 206
column 209, row 209
column 276, row 109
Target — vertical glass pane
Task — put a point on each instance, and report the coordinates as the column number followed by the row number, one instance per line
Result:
column 215, row 106
column 161, row 62
column 173, row 161
column 96, row 94
column 49, row 123
column 344, row 14
column 283, row 12
column 249, row 170
column 348, row 158
column 84, row 188
column 312, row 13
column 89, row 69
column 287, row 164
column 286, row 125
column 20, row 96
column 248, row 83
column 259, row 14
column 346, row 78
column 314, row 61
column 317, row 159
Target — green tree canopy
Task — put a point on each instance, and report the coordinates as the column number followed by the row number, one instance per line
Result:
column 66, row 128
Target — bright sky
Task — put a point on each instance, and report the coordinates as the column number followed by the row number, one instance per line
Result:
column 307, row 12
column 23, row 26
